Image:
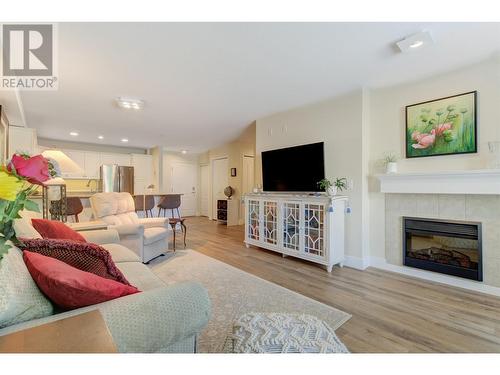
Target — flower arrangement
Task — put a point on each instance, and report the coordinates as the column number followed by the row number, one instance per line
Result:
column 19, row 178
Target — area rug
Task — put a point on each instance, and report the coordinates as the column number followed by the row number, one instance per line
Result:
column 234, row 292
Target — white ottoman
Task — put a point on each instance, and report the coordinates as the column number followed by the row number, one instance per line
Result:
column 283, row 333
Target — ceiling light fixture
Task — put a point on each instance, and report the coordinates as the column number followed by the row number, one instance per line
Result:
column 124, row 140
column 100, row 137
column 415, row 41
column 129, row 103
column 74, row 134
column 184, row 152
column 416, row 44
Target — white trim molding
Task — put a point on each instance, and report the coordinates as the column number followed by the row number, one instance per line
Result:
column 458, row 282
column 479, row 181
column 356, row 262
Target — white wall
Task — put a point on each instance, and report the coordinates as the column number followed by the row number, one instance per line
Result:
column 387, row 125
column 169, row 158
column 339, row 123
column 360, row 127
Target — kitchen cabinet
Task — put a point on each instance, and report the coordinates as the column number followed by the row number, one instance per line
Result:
column 79, row 158
column 22, row 140
column 92, row 165
column 112, row 158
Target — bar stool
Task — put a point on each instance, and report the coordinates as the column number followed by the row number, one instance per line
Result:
column 144, row 203
column 74, row 207
column 173, row 202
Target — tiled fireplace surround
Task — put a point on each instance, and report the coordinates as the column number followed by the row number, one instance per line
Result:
column 468, row 207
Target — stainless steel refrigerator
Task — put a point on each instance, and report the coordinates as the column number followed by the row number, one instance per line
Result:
column 117, row 178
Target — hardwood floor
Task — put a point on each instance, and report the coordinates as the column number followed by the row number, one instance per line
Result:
column 390, row 312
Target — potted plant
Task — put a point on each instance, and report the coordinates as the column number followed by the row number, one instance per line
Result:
column 390, row 162
column 332, row 188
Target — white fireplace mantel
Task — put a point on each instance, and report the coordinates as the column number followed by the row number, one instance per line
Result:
column 478, row 181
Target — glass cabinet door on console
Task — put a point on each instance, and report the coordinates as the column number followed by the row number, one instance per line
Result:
column 314, row 230
column 290, row 220
column 297, row 226
column 253, row 223
column 270, row 222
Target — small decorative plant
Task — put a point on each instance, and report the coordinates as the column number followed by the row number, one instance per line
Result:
column 390, row 158
column 390, row 163
column 338, row 184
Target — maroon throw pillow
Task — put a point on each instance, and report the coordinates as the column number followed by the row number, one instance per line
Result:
column 69, row 287
column 56, row 230
column 85, row 256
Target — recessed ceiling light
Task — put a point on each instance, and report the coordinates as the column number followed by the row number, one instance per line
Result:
column 74, row 134
column 124, row 140
column 129, row 103
column 100, row 137
column 415, row 41
column 416, row 44
column 184, row 151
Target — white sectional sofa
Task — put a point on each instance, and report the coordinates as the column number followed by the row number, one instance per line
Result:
column 159, row 319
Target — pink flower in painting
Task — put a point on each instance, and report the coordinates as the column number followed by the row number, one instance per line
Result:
column 425, row 140
column 442, row 128
column 417, row 136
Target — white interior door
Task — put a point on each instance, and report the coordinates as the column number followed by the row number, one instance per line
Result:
column 219, row 182
column 204, row 190
column 184, row 181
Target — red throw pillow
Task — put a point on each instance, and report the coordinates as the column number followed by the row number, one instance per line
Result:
column 70, row 288
column 85, row 256
column 56, row 230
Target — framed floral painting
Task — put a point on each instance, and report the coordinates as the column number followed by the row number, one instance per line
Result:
column 443, row 126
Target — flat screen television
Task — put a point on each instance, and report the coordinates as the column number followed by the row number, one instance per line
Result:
column 294, row 169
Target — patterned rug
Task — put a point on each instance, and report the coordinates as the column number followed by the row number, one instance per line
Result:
column 234, row 292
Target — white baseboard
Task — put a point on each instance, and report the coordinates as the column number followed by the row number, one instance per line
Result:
column 356, row 262
column 475, row 286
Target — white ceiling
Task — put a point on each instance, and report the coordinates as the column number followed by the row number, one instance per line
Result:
column 204, row 83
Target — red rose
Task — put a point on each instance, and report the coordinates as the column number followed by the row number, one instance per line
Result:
column 34, row 169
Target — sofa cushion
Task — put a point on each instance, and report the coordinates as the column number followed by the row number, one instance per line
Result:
column 56, row 230
column 20, row 298
column 154, row 234
column 109, row 204
column 24, row 229
column 86, row 257
column 69, row 287
column 140, row 275
column 120, row 253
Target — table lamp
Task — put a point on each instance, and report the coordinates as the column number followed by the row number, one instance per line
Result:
column 54, row 190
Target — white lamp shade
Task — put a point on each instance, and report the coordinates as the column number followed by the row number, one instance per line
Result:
column 66, row 165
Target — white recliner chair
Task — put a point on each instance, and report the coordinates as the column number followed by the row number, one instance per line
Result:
column 147, row 237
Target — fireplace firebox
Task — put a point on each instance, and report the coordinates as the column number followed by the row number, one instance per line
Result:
column 449, row 247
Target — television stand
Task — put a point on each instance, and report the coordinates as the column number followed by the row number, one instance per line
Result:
column 298, row 225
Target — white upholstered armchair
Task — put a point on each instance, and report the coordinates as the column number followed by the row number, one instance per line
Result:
column 146, row 237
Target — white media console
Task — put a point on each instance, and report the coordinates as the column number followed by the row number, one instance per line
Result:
column 302, row 226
